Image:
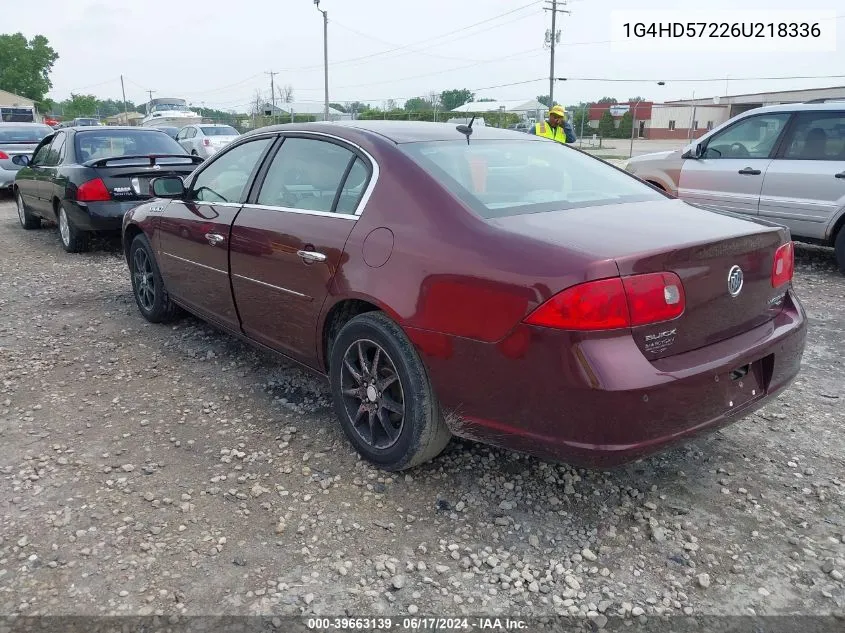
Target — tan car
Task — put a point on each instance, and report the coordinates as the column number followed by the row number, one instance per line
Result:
column 783, row 163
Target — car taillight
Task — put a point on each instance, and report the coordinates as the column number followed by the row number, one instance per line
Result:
column 609, row 304
column 784, row 265
column 206, row 142
column 4, row 156
column 93, row 191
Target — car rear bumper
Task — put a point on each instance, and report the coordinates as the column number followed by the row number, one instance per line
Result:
column 598, row 401
column 99, row 216
column 7, row 177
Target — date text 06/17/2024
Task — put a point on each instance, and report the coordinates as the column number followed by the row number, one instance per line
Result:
column 416, row 624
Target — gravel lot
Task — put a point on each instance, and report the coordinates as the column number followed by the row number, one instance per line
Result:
column 170, row 469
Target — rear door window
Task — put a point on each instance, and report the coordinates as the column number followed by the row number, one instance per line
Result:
column 818, row 135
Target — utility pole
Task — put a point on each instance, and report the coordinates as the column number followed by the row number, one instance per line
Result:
column 123, row 90
column 325, row 55
column 272, row 93
column 151, row 94
column 553, row 37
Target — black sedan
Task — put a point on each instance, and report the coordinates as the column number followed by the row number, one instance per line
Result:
column 84, row 179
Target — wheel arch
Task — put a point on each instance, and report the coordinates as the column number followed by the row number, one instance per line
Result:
column 339, row 313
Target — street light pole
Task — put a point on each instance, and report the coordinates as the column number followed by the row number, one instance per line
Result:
column 325, row 55
column 633, row 127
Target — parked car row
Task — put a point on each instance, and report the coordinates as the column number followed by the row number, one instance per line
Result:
column 494, row 285
column 784, row 163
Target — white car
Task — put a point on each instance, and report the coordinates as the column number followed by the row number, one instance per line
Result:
column 206, row 139
column 783, row 163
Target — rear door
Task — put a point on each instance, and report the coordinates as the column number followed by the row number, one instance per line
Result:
column 182, row 139
column 804, row 187
column 287, row 243
column 730, row 174
column 194, row 233
column 50, row 185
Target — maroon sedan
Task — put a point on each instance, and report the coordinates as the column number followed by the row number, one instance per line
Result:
column 491, row 285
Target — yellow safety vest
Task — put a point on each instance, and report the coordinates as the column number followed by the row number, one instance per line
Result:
column 556, row 134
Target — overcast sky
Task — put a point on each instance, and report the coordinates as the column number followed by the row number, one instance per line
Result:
column 217, row 52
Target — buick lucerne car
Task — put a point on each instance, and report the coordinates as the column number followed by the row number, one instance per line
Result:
column 784, row 163
column 85, row 179
column 481, row 282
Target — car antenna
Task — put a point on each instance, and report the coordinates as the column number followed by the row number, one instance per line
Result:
column 466, row 130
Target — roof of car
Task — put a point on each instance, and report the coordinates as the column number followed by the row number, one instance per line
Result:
column 19, row 123
column 402, row 131
column 100, row 128
column 800, row 107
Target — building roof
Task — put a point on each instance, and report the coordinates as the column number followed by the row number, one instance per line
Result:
column 11, row 99
column 787, row 96
column 513, row 105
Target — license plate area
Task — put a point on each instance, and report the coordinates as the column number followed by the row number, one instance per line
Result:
column 746, row 383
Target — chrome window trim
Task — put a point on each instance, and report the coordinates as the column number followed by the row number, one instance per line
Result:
column 265, row 284
column 368, row 192
column 190, row 261
column 324, row 214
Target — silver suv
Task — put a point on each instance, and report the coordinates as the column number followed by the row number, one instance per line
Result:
column 784, row 163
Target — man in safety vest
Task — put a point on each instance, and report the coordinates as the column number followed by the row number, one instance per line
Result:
column 556, row 128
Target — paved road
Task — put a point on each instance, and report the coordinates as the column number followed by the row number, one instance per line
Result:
column 170, row 469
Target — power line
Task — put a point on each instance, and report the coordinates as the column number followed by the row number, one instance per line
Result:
column 687, row 80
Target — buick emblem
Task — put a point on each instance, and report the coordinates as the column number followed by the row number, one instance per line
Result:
column 735, row 279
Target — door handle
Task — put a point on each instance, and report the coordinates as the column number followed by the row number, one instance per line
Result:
column 214, row 238
column 311, row 256
column 841, row 174
column 748, row 171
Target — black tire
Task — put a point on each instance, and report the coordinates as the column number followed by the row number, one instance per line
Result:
column 839, row 249
column 422, row 433
column 147, row 285
column 73, row 240
column 27, row 220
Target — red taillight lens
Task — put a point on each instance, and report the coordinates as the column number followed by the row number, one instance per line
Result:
column 654, row 297
column 206, row 142
column 609, row 304
column 784, row 265
column 93, row 191
column 595, row 305
column 4, row 156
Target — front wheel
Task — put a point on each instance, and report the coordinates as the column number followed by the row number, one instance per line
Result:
column 147, row 285
column 839, row 248
column 383, row 396
column 73, row 239
column 27, row 220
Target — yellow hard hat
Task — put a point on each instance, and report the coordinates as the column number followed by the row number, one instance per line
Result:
column 558, row 110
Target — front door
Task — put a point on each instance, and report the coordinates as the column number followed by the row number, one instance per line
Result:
column 287, row 244
column 804, row 187
column 30, row 180
column 729, row 175
column 194, row 239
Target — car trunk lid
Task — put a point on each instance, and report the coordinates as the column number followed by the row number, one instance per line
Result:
column 128, row 177
column 701, row 247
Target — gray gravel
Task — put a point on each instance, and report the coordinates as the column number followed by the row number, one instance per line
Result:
column 170, row 469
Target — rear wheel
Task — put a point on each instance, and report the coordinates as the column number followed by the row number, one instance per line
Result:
column 839, row 247
column 27, row 220
column 147, row 285
column 383, row 396
column 74, row 240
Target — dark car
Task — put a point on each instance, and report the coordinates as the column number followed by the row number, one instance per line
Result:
column 170, row 131
column 495, row 285
column 85, row 179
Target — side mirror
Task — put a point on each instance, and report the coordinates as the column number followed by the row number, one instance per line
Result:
column 693, row 151
column 21, row 159
column 167, row 187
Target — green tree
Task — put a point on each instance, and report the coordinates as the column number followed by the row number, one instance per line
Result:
column 486, row 99
column 579, row 112
column 626, row 125
column 607, row 128
column 451, row 99
column 338, row 106
column 78, row 106
column 418, row 104
column 546, row 100
column 356, row 106
column 605, row 100
column 25, row 65
column 635, row 99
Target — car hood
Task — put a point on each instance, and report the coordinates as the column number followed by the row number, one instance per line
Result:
column 656, row 156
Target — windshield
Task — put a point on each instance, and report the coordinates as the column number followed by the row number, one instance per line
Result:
column 169, row 106
column 114, row 143
column 502, row 178
column 222, row 130
column 23, row 133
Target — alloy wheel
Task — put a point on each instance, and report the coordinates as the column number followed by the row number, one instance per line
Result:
column 21, row 211
column 64, row 226
column 142, row 273
column 372, row 394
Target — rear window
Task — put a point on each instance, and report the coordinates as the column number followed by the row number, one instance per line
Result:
column 511, row 177
column 223, row 130
column 23, row 133
column 105, row 143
